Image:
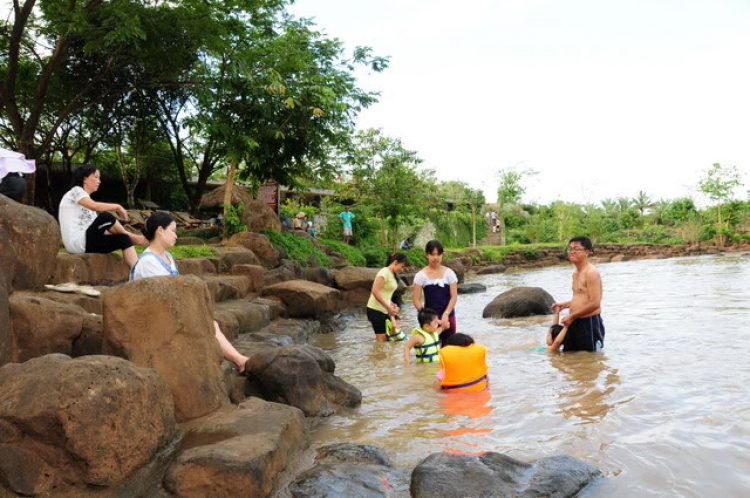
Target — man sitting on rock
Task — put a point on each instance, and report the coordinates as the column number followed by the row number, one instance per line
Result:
column 584, row 323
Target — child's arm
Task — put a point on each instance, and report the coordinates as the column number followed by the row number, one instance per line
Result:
column 413, row 341
column 559, row 340
column 556, row 318
column 549, row 337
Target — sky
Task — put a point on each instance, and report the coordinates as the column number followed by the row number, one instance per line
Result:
column 602, row 98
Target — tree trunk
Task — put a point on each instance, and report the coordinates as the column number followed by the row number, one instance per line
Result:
column 473, row 226
column 228, row 194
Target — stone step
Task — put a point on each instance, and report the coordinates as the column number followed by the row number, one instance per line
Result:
column 94, row 269
column 241, row 316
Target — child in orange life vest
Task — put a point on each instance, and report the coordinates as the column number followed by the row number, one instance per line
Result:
column 463, row 365
column 556, row 334
column 426, row 339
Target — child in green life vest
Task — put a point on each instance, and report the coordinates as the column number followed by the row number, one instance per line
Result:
column 426, row 339
column 393, row 329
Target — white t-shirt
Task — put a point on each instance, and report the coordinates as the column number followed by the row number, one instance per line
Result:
column 151, row 267
column 75, row 220
column 449, row 277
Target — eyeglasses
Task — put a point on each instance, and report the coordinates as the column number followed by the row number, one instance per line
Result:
column 576, row 249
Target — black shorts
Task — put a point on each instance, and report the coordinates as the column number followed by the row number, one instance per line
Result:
column 377, row 319
column 585, row 334
column 99, row 241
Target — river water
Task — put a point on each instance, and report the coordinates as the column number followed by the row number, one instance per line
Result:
column 663, row 410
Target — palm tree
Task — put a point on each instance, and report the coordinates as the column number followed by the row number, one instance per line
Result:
column 642, row 201
column 623, row 204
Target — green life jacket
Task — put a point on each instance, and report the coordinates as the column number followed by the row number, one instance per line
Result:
column 427, row 352
column 393, row 334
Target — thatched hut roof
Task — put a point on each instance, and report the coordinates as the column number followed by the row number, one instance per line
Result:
column 215, row 198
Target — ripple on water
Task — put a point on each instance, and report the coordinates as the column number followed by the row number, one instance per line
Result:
column 663, row 410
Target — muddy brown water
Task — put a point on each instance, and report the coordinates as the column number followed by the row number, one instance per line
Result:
column 664, row 410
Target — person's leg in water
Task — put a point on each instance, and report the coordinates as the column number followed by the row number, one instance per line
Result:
column 230, row 354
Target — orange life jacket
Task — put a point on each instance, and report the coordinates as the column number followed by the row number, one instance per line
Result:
column 465, row 367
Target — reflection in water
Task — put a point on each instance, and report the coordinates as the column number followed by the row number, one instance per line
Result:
column 587, row 384
column 664, row 410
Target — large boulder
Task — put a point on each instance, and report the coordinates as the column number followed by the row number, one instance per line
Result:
column 41, row 326
column 237, row 452
column 448, row 475
column 6, row 333
column 260, row 244
column 165, row 323
column 300, row 376
column 99, row 419
column 236, row 255
column 491, row 270
column 520, row 301
column 304, row 299
column 90, row 268
column 349, row 470
column 257, row 216
column 35, row 236
column 355, row 277
column 458, row 268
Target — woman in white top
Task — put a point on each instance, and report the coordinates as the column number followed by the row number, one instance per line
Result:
column 161, row 231
column 439, row 285
column 83, row 230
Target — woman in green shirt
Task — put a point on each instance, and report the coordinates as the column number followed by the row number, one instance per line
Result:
column 380, row 307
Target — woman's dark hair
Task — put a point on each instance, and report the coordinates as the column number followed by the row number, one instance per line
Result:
column 154, row 222
column 396, row 256
column 556, row 329
column 82, row 173
column 459, row 339
column 432, row 245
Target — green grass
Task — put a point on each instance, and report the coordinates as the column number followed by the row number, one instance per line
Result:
column 498, row 253
column 297, row 248
column 353, row 255
column 184, row 252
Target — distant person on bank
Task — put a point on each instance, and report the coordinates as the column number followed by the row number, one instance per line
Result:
column 380, row 306
column 585, row 328
column 85, row 224
column 439, row 285
column 346, row 217
column 161, row 231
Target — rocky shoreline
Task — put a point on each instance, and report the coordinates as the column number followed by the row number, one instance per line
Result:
column 128, row 395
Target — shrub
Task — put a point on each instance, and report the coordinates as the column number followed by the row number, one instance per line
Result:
column 297, row 248
column 353, row 255
column 183, row 252
column 531, row 254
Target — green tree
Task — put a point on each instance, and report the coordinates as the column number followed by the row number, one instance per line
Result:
column 509, row 193
column 718, row 184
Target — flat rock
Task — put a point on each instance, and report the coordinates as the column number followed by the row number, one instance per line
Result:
column 35, row 236
column 304, row 299
column 88, row 304
column 195, row 266
column 96, row 269
column 236, row 255
column 237, row 452
column 226, row 287
column 165, row 323
column 519, row 302
column 320, row 274
column 352, row 453
column 490, row 270
column 471, row 288
column 41, row 326
column 447, row 475
column 253, row 272
column 355, row 277
column 100, row 419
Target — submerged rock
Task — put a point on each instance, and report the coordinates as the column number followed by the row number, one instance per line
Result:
column 520, row 301
column 491, row 270
column 300, row 376
column 347, row 470
column 237, row 452
column 471, row 288
column 99, row 419
column 447, row 475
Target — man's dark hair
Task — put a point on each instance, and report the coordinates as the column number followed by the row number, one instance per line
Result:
column 584, row 241
column 82, row 173
column 459, row 339
column 432, row 245
column 425, row 316
column 556, row 329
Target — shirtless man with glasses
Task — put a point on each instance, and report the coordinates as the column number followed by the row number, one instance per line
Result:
column 585, row 326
